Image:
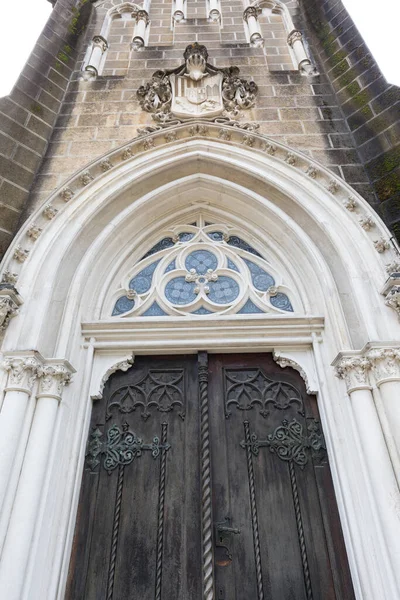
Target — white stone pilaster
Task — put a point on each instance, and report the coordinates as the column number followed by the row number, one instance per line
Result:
column 356, row 372
column 23, row 369
column 295, row 41
column 140, row 34
column 54, row 375
column 250, row 15
column 98, row 48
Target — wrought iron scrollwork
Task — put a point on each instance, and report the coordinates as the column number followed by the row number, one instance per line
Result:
column 161, row 390
column 247, row 389
column 120, row 448
column 289, row 443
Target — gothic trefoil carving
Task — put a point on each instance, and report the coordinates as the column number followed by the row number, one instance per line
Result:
column 196, row 89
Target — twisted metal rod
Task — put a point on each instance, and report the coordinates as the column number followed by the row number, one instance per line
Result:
column 253, row 509
column 300, row 531
column 115, row 533
column 161, row 504
column 206, row 507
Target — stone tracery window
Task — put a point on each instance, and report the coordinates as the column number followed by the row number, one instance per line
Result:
column 203, row 270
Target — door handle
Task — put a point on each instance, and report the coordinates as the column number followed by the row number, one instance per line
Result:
column 223, row 540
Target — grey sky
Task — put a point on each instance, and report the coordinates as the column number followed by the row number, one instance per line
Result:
column 377, row 23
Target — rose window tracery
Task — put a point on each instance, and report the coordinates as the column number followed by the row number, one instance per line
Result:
column 203, row 269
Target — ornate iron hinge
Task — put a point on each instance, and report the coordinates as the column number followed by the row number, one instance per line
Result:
column 120, row 447
column 289, row 443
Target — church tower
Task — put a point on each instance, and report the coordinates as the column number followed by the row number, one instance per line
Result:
column 199, row 307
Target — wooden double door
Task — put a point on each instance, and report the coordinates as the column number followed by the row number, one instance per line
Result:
column 206, row 478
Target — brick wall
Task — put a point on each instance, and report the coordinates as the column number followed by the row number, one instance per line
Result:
column 29, row 113
column 313, row 115
column 370, row 104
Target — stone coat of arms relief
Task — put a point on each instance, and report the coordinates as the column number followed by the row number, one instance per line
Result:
column 196, row 89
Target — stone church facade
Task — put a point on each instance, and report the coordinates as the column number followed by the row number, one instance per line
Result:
column 199, row 307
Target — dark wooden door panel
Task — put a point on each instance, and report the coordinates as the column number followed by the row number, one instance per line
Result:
column 277, row 533
column 138, row 528
column 271, row 477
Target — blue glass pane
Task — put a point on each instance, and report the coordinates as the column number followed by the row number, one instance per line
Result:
column 260, row 278
column 122, row 305
column 154, row 311
column 216, row 236
column 171, row 266
column 185, row 236
column 250, row 308
column 231, row 265
column 237, row 242
column 223, row 291
column 281, row 301
column 202, row 311
column 201, row 261
column 141, row 283
column 161, row 245
column 179, row 291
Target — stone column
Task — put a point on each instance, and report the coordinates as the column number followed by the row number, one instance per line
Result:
column 139, row 35
column 295, row 41
column 99, row 46
column 250, row 15
column 355, row 371
column 385, row 363
column 22, row 370
column 54, row 375
column 214, row 12
column 179, row 13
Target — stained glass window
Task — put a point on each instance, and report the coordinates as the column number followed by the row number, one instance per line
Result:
column 207, row 270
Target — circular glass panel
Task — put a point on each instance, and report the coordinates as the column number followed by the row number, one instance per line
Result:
column 201, row 261
column 179, row 291
column 223, row 291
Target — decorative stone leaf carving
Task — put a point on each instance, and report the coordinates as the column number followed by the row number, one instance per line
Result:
column 67, row 194
column 10, row 301
column 367, row 223
column 354, row 370
column 50, row 212
column 34, row 232
column 381, row 245
column 20, row 254
column 350, row 204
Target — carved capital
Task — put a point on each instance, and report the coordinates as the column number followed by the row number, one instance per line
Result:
column 251, row 11
column 10, row 301
column 23, row 369
column 142, row 15
column 100, row 42
column 294, row 36
column 354, row 370
column 385, row 363
column 393, row 299
column 54, row 375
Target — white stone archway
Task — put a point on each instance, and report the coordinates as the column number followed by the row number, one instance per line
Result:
column 309, row 221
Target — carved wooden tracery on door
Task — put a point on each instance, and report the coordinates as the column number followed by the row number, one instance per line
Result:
column 207, row 478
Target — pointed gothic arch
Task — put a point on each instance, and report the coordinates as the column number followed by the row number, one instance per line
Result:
column 112, row 212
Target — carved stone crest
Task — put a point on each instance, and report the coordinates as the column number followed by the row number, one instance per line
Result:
column 196, row 89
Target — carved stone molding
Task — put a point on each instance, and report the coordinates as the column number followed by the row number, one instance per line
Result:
column 393, row 299
column 391, row 289
column 354, row 370
column 385, row 364
column 23, row 369
column 122, row 365
column 309, row 377
column 204, row 90
column 100, row 42
column 53, row 376
column 10, row 301
column 393, row 267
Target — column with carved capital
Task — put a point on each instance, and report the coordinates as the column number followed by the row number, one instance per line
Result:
column 385, row 363
column 54, row 375
column 140, row 34
column 295, row 41
column 98, row 48
column 355, row 370
column 250, row 15
column 22, row 368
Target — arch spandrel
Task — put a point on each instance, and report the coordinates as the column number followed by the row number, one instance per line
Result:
column 315, row 216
